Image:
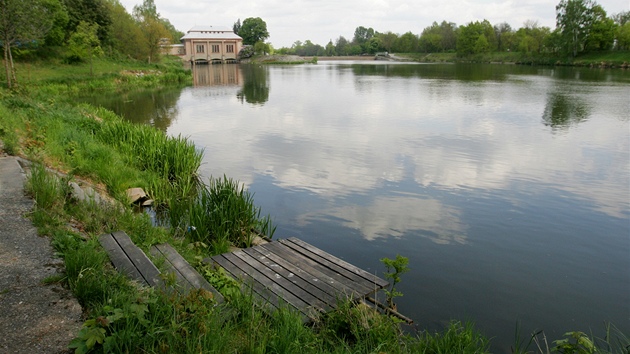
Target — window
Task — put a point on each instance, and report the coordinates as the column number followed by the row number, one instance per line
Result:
column 200, row 48
column 215, row 48
column 229, row 48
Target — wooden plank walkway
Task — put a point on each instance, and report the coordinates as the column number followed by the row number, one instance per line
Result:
column 298, row 274
column 130, row 260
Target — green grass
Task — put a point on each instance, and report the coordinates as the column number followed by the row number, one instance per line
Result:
column 614, row 58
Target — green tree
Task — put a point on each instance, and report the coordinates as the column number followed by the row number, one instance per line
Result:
column 602, row 32
column 448, row 31
column 236, row 27
column 530, row 38
column 362, row 35
column 574, row 19
column 503, row 32
column 84, row 43
column 431, row 39
column 21, row 21
column 341, row 46
column 330, row 49
column 126, row 36
column 92, row 11
column 469, row 36
column 482, row 45
column 253, row 30
column 623, row 37
column 59, row 17
column 407, row 43
column 152, row 28
column 387, row 40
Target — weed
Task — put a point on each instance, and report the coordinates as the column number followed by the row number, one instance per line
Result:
column 395, row 267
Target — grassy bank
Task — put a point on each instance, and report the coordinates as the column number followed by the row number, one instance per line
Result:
column 617, row 59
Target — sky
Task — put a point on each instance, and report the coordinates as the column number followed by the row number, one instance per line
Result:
column 323, row 20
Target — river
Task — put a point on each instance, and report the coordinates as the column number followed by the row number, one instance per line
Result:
column 507, row 187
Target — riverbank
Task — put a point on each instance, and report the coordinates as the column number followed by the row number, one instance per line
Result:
column 603, row 60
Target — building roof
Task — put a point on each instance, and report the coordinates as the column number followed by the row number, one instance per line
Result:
column 210, row 32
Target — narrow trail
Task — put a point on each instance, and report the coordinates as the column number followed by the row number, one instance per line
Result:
column 34, row 317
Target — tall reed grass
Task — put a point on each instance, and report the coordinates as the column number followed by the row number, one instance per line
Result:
column 222, row 213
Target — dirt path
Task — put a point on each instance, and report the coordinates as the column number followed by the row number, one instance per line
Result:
column 34, row 318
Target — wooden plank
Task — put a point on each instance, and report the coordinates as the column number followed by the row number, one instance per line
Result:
column 119, row 258
column 182, row 286
column 274, row 274
column 344, row 285
column 372, row 278
column 268, row 283
column 321, row 276
column 187, row 275
column 264, row 296
column 330, row 262
column 149, row 271
column 300, row 277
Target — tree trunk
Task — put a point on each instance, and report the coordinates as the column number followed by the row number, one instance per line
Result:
column 14, row 77
column 6, row 65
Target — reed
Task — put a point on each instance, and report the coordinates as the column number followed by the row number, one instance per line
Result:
column 223, row 213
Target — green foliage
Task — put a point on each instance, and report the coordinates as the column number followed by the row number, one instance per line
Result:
column 574, row 19
column 476, row 37
column 394, row 269
column 253, row 30
column 575, row 343
column 457, row 338
column 222, row 212
column 84, row 43
column 220, row 280
column 44, row 188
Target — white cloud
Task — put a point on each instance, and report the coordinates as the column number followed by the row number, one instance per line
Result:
column 320, row 21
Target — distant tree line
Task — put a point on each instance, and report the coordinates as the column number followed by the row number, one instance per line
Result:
column 581, row 26
column 78, row 30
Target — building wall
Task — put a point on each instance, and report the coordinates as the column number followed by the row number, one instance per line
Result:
column 211, row 49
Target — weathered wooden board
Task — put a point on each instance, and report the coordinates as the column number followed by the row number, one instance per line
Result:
column 293, row 272
column 186, row 277
column 129, row 259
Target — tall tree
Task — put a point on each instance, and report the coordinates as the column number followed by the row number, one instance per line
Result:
column 503, row 31
column 59, row 17
column 362, row 34
column 151, row 26
column 574, row 19
column 236, row 27
column 92, row 11
column 126, row 36
column 341, row 46
column 84, row 43
column 407, row 43
column 469, row 40
column 387, row 40
column 602, row 32
column 253, row 30
column 21, row 21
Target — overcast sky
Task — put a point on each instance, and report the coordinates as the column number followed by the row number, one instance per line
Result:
column 324, row 20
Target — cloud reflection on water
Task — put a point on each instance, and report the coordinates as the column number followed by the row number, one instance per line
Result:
column 360, row 133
